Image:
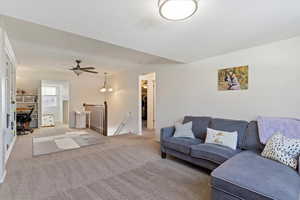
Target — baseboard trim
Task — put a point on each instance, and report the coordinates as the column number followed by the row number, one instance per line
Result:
column 8, row 152
column 3, row 177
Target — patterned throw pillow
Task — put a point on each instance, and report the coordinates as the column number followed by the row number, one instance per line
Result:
column 228, row 139
column 282, row 149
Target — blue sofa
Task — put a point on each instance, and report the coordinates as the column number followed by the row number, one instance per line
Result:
column 240, row 174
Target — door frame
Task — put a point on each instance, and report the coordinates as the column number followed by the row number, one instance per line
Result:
column 5, row 49
column 141, row 78
column 10, row 55
column 10, row 107
column 62, row 95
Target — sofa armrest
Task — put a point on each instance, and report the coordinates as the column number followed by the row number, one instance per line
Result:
column 166, row 132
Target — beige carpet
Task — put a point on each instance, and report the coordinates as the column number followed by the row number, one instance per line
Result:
column 124, row 168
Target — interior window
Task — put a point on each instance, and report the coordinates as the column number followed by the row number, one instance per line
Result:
column 49, row 91
column 49, row 96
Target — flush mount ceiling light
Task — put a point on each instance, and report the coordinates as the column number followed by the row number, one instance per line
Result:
column 177, row 10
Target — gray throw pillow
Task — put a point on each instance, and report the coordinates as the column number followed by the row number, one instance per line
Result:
column 184, row 130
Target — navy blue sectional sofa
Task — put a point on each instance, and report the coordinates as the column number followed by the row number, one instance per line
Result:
column 240, row 174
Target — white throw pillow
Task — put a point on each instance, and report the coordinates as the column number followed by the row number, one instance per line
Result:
column 184, row 130
column 282, row 149
column 228, row 139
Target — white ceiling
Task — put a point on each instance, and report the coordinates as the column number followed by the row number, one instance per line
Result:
column 41, row 47
column 219, row 26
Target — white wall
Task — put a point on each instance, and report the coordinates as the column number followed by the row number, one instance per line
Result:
column 191, row 89
column 124, row 100
column 83, row 89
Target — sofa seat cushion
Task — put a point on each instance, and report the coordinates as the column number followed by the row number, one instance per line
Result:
column 181, row 144
column 250, row 176
column 213, row 152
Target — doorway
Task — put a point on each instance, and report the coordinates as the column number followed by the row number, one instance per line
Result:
column 147, row 104
column 54, row 103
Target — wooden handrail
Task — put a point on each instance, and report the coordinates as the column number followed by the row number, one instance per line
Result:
column 105, row 119
column 85, row 104
column 103, row 129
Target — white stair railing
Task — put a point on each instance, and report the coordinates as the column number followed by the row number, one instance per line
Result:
column 123, row 124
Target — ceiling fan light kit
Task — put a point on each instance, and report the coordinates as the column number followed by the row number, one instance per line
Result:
column 177, row 10
column 79, row 70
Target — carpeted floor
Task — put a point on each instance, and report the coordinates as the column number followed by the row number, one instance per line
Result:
column 125, row 167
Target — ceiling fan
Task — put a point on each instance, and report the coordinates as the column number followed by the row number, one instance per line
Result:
column 79, row 70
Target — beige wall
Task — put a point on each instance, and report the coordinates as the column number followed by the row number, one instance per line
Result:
column 191, row 89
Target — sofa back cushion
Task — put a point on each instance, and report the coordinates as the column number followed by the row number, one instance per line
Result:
column 231, row 125
column 200, row 124
column 251, row 140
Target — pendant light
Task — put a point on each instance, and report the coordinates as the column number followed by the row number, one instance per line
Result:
column 105, row 87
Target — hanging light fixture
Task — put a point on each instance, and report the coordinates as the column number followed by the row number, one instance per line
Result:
column 105, row 88
column 177, row 10
column 77, row 71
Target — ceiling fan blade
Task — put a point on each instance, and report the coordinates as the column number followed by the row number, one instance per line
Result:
column 87, row 68
column 89, row 71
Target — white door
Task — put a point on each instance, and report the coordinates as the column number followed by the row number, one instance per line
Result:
column 8, row 116
column 151, row 104
column 2, row 118
column 7, row 98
